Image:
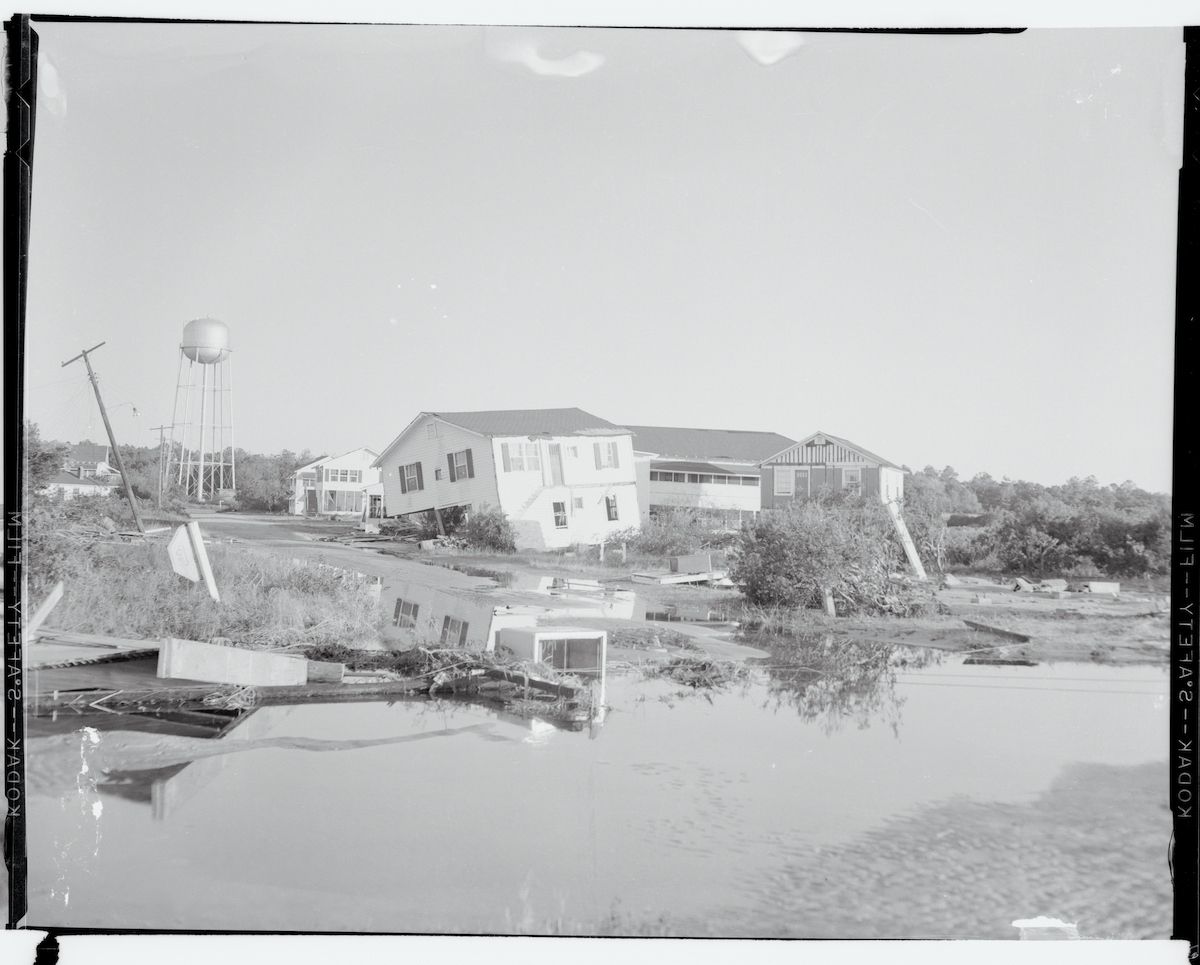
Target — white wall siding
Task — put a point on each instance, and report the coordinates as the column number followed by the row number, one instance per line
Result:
column 528, row 495
column 431, row 453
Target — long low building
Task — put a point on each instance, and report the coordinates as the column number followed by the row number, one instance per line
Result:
column 712, row 472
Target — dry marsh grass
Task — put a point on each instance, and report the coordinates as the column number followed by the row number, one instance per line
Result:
column 266, row 602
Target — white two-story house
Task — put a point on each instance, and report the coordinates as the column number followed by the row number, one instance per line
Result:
column 562, row 476
column 335, row 485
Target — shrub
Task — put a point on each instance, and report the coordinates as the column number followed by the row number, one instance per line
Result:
column 674, row 533
column 835, row 541
column 488, row 529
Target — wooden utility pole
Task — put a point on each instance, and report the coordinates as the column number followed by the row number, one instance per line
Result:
column 112, row 440
column 162, row 469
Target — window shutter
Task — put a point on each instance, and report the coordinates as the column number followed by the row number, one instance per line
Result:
column 599, row 464
column 403, row 482
column 504, row 456
column 450, row 462
column 420, row 478
column 462, row 636
column 470, row 466
column 445, row 627
column 616, row 462
column 396, row 615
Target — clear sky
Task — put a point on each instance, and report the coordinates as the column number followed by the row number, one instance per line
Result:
column 952, row 250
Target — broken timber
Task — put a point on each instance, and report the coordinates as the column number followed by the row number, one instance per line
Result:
column 151, row 699
column 1019, row 637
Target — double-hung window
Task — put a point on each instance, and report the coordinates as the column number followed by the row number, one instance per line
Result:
column 606, row 455
column 785, row 481
column 560, row 515
column 852, row 480
column 454, row 632
column 411, row 478
column 460, row 464
column 405, row 614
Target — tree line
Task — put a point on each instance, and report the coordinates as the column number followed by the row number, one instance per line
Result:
column 263, row 481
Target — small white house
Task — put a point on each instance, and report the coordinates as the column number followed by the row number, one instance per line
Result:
column 562, row 476
column 712, row 472
column 72, row 484
column 335, row 485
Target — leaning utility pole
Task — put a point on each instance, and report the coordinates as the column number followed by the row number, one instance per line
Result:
column 162, row 469
column 112, row 440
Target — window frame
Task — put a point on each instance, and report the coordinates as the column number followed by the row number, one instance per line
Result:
column 781, row 473
column 560, row 513
column 610, row 505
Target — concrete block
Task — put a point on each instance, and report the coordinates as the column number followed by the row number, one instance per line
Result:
column 192, row 660
column 1053, row 585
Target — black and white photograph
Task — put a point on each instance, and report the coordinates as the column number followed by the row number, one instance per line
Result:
column 600, row 481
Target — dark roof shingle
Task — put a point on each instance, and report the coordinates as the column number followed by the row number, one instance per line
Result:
column 707, row 444
column 527, row 422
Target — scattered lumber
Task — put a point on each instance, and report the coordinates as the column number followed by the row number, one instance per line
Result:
column 1009, row 634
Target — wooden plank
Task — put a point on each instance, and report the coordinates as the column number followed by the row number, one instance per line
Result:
column 107, row 701
column 51, row 635
column 320, row 672
column 43, row 611
column 229, row 665
column 1009, row 634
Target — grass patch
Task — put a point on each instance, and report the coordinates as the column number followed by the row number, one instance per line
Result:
column 130, row 590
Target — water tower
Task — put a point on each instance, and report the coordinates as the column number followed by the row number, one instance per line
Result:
column 200, row 459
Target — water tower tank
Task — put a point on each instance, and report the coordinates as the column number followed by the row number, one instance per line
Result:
column 205, row 340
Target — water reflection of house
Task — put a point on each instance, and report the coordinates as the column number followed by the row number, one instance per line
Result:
column 562, row 476
column 823, row 461
column 711, row 472
column 440, row 616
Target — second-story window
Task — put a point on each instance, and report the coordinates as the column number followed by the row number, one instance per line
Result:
column 606, row 455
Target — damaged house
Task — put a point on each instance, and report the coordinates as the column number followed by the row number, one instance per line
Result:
column 562, row 476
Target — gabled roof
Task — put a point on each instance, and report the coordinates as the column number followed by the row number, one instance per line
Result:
column 65, row 478
column 529, row 422
column 704, row 467
column 309, row 465
column 516, row 422
column 716, row 444
column 88, row 452
column 837, row 441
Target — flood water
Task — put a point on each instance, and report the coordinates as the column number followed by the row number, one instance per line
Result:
column 843, row 793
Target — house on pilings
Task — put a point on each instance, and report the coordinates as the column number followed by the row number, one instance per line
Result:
column 561, row 476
